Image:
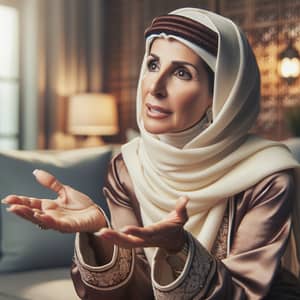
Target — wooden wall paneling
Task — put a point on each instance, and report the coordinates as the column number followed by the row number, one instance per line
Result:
column 111, row 49
column 238, row 11
column 264, row 32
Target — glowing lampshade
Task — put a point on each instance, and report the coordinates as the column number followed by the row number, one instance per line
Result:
column 92, row 114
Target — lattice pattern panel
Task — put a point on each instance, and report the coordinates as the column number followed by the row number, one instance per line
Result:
column 269, row 24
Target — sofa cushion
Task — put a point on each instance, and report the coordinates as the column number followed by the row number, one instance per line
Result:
column 23, row 246
column 46, row 284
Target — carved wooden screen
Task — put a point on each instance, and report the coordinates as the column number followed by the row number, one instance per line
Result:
column 269, row 24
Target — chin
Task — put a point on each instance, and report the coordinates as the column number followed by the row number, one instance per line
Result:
column 153, row 128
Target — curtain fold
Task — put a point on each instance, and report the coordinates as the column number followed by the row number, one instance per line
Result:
column 70, row 61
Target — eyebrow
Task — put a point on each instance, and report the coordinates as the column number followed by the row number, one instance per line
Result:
column 177, row 62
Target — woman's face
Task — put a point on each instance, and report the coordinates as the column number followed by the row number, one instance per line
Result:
column 175, row 89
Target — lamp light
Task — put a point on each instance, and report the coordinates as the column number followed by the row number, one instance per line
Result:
column 92, row 115
column 289, row 63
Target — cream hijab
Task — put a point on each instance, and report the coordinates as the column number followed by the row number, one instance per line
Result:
column 221, row 161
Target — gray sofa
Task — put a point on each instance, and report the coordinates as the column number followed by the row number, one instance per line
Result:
column 34, row 264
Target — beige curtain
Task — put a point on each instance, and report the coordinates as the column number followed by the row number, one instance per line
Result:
column 69, row 62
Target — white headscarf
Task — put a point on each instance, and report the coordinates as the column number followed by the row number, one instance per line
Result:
column 219, row 162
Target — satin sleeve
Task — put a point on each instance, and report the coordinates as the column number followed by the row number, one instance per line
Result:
column 127, row 275
column 260, row 234
column 258, row 238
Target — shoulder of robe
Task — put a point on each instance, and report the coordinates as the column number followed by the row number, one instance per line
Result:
column 119, row 187
column 275, row 188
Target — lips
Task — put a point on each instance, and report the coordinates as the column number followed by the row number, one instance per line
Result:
column 155, row 111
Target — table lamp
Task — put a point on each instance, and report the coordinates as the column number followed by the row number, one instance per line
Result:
column 92, row 115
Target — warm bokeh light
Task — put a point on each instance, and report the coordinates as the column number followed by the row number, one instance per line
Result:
column 289, row 67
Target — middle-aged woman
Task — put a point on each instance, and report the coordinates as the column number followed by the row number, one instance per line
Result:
column 200, row 208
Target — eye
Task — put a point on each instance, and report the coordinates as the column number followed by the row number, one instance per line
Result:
column 152, row 65
column 183, row 73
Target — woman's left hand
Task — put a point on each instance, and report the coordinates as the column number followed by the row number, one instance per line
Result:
column 168, row 233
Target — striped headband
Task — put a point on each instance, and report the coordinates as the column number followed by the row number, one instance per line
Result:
column 186, row 28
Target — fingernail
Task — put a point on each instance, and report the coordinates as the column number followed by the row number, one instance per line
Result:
column 102, row 231
column 3, row 201
column 35, row 172
column 102, row 235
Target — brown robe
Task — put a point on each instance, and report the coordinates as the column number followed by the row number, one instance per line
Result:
column 243, row 264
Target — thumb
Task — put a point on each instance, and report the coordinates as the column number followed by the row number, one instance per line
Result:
column 180, row 208
column 49, row 181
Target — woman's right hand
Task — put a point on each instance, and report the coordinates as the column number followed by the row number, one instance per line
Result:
column 71, row 211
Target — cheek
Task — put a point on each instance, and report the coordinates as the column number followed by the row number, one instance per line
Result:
column 187, row 102
column 190, row 107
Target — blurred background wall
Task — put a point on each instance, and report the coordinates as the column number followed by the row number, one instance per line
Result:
column 67, row 47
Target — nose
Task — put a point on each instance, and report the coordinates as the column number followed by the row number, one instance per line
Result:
column 158, row 86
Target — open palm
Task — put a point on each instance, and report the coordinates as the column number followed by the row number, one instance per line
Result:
column 168, row 233
column 71, row 211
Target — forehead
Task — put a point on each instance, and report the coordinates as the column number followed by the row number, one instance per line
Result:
column 171, row 49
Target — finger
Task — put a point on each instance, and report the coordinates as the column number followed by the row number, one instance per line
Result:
column 24, row 212
column 22, row 200
column 25, row 216
column 18, row 207
column 48, row 204
column 146, row 233
column 122, row 239
column 49, row 181
column 180, row 208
